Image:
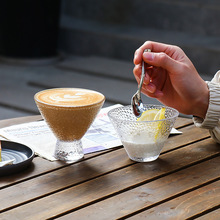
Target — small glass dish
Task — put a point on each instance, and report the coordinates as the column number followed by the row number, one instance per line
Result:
column 142, row 140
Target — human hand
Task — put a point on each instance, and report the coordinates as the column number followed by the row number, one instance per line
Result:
column 171, row 78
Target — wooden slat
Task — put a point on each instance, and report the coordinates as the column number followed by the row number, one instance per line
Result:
column 180, row 122
column 189, row 135
column 214, row 215
column 67, row 176
column 95, row 189
column 186, row 206
column 41, row 166
column 146, row 195
column 38, row 167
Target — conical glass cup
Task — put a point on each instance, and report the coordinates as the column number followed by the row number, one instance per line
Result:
column 69, row 112
column 142, row 140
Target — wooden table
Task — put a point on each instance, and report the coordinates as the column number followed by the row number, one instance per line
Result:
column 183, row 183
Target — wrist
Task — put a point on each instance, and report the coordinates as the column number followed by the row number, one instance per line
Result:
column 202, row 103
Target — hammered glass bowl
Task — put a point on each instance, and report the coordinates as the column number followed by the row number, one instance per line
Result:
column 142, row 140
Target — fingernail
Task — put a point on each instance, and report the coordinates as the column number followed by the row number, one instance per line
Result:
column 148, row 56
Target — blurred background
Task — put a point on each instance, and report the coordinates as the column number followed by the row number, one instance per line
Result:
column 90, row 44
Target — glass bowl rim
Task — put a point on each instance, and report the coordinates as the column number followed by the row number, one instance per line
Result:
column 176, row 114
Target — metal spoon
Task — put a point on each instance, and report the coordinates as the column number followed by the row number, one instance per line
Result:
column 136, row 102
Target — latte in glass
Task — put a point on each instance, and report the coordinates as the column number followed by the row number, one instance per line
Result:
column 69, row 112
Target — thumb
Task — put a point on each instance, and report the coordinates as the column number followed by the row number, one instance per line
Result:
column 161, row 60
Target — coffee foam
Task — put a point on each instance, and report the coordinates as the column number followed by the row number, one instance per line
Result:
column 69, row 97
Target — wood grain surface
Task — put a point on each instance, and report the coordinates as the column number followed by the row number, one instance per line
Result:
column 183, row 183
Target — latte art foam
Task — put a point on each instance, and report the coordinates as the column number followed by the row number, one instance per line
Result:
column 69, row 97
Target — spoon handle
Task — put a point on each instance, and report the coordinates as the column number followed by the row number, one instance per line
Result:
column 142, row 74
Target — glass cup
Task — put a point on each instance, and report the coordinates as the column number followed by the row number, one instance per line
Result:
column 142, row 140
column 69, row 112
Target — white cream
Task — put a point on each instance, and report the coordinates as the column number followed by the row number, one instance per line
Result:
column 142, row 146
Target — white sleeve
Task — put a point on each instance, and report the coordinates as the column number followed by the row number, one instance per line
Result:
column 212, row 118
